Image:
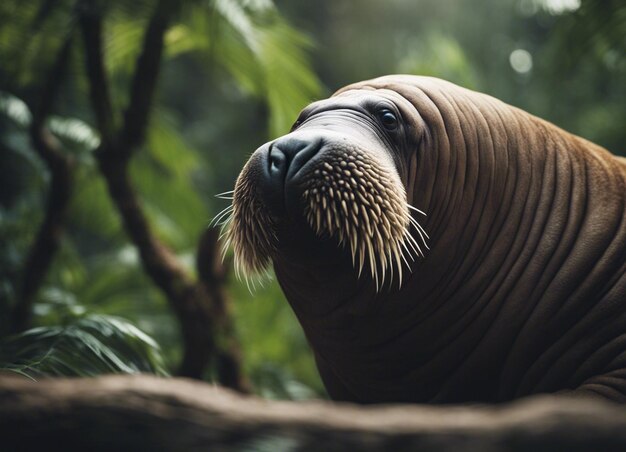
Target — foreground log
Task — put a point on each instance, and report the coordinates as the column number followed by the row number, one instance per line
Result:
column 148, row 413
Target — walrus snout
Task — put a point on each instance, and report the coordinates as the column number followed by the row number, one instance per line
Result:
column 288, row 154
column 283, row 159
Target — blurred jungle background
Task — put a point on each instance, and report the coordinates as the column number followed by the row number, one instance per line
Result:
column 121, row 120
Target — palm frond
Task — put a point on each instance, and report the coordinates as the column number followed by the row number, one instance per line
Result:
column 266, row 56
column 239, row 18
column 90, row 346
column 290, row 82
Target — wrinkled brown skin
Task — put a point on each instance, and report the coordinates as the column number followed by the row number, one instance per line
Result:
column 523, row 290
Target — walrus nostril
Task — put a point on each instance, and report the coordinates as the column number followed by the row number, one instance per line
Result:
column 278, row 162
column 287, row 155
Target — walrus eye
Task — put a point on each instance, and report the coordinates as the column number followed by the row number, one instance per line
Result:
column 388, row 119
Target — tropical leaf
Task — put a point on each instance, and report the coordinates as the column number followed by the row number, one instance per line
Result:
column 92, row 345
column 267, row 57
column 122, row 42
column 168, row 148
column 75, row 131
column 116, row 285
column 164, row 177
column 290, row 83
column 31, row 34
column 15, row 109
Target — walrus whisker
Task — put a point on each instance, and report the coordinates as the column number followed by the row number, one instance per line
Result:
column 225, row 249
column 416, row 209
column 392, row 251
column 420, row 231
column 403, row 242
column 253, row 289
column 221, row 213
column 225, row 195
column 224, row 212
column 373, row 267
column 411, row 241
column 224, row 229
column 403, row 256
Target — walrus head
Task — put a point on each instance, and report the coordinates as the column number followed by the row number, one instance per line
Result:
column 337, row 177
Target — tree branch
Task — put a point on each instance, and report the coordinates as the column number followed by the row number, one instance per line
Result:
column 199, row 307
column 91, row 26
column 159, row 262
column 146, row 74
column 61, row 166
column 148, row 413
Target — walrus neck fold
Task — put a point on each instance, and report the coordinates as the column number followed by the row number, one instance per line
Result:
column 319, row 290
column 473, row 178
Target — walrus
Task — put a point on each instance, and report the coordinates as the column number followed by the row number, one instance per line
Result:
column 438, row 245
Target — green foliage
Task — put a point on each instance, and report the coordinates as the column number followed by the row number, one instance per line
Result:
column 584, row 58
column 177, row 214
column 75, row 134
column 89, row 346
column 22, row 176
column 266, row 56
column 237, row 48
column 595, row 30
column 277, row 355
column 31, row 32
column 439, row 56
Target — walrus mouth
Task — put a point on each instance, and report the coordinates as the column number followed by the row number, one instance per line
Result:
column 346, row 195
column 352, row 198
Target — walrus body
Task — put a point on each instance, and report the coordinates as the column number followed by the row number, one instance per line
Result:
column 512, row 283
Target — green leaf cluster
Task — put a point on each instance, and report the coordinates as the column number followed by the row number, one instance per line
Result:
column 89, row 346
